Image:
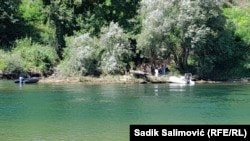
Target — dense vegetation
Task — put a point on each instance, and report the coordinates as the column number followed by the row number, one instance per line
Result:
column 94, row 37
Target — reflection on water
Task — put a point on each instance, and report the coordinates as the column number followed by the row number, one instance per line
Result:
column 78, row 112
column 156, row 90
column 179, row 87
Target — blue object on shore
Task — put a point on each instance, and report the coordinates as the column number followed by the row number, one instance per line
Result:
column 27, row 80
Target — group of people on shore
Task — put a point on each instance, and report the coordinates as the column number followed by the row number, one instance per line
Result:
column 155, row 70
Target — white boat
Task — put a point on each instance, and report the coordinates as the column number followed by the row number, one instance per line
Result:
column 186, row 79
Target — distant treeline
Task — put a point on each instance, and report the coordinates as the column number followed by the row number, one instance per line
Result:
column 97, row 37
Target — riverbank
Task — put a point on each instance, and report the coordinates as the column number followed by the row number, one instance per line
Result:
column 91, row 80
column 131, row 78
column 119, row 79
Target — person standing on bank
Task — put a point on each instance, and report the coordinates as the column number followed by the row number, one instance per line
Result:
column 156, row 71
column 163, row 69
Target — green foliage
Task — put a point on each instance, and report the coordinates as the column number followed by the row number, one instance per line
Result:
column 59, row 12
column 3, row 63
column 156, row 23
column 60, row 15
column 236, row 72
column 99, row 14
column 20, row 18
column 85, row 55
column 47, row 35
column 28, row 57
column 11, row 63
column 35, row 57
column 189, row 33
column 197, row 28
column 241, row 18
column 90, row 23
column 32, row 10
column 177, row 27
column 225, row 51
column 10, row 21
column 116, row 52
column 81, row 57
column 8, row 9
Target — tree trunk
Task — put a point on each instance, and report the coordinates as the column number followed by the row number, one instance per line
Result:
column 185, row 58
column 176, row 60
column 60, row 42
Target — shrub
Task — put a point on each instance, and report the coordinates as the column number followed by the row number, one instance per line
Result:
column 10, row 63
column 80, row 56
column 116, row 53
column 36, row 58
column 86, row 55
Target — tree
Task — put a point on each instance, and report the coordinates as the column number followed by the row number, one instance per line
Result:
column 116, row 53
column 86, row 55
column 203, row 25
column 81, row 56
column 179, row 28
column 156, row 24
column 95, row 14
column 60, row 14
column 9, row 21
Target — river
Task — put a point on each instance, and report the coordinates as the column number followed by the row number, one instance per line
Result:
column 75, row 112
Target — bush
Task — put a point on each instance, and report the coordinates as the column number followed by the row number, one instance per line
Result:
column 85, row 55
column 36, row 58
column 11, row 63
column 116, row 53
column 80, row 56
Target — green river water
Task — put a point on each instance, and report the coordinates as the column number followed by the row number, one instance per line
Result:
column 74, row 112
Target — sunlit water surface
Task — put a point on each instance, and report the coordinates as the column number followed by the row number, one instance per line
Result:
column 50, row 112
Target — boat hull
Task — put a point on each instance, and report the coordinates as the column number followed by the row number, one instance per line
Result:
column 180, row 80
column 27, row 80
